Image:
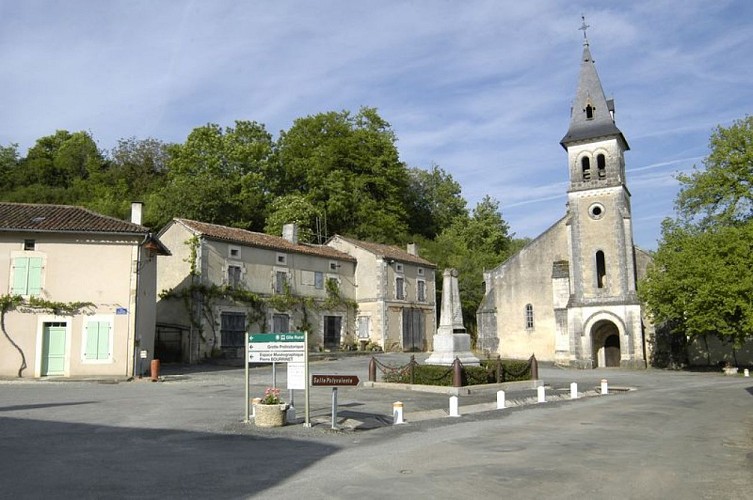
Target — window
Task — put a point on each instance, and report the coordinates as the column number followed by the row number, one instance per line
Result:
column 30, row 245
column 281, row 281
column 420, row 271
column 233, row 276
column 589, row 112
column 585, row 164
column 282, row 259
column 364, row 326
column 400, row 288
column 27, row 276
column 280, row 323
column 398, row 268
column 529, row 316
column 319, row 280
column 334, row 266
column 232, row 329
column 234, row 252
column 601, row 270
column 421, row 291
column 601, row 166
column 97, row 340
column 333, row 283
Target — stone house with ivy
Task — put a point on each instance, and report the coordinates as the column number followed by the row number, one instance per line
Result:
column 221, row 283
column 396, row 295
column 77, row 290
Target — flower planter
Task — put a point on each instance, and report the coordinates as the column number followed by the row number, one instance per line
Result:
column 270, row 415
column 730, row 370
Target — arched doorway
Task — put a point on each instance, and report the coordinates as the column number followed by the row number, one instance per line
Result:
column 606, row 344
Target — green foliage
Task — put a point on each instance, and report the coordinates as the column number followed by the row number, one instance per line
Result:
column 701, row 281
column 348, row 168
column 219, row 176
column 722, row 193
column 471, row 245
column 293, row 208
column 436, row 201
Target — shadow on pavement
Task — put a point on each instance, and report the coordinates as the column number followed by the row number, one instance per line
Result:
column 42, row 459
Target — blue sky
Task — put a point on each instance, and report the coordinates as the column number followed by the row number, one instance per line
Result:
column 481, row 88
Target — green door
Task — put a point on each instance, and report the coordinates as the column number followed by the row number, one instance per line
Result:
column 53, row 349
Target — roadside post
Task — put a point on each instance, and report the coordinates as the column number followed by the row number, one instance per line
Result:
column 334, row 381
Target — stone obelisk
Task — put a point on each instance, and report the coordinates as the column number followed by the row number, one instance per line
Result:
column 451, row 341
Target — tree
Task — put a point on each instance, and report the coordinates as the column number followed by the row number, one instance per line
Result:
column 293, row 208
column 701, row 280
column 347, row 166
column 8, row 164
column 436, row 201
column 219, row 176
column 472, row 245
column 722, row 193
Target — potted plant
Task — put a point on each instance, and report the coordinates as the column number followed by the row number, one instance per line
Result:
column 270, row 411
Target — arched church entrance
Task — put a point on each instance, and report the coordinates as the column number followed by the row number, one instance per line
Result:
column 606, row 344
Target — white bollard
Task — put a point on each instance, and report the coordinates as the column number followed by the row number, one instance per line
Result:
column 500, row 400
column 254, row 402
column 454, row 410
column 746, row 373
column 541, row 393
column 604, row 388
column 574, row 391
column 397, row 412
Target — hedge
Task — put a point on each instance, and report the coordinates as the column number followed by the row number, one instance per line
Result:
column 510, row 370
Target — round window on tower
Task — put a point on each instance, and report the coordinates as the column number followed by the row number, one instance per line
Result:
column 596, row 211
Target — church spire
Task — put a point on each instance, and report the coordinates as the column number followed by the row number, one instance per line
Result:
column 592, row 115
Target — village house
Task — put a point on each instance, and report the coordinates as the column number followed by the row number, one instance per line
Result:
column 55, row 254
column 396, row 295
column 221, row 283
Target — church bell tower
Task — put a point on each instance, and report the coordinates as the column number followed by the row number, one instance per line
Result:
column 603, row 312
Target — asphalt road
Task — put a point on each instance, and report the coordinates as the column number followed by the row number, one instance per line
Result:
column 673, row 435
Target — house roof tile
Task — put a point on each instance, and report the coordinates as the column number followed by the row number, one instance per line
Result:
column 34, row 217
column 389, row 252
column 261, row 240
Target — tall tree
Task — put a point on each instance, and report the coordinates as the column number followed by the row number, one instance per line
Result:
column 219, row 175
column 436, row 201
column 701, row 281
column 348, row 167
column 722, row 192
column 471, row 245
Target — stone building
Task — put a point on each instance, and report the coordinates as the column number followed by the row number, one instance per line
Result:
column 570, row 295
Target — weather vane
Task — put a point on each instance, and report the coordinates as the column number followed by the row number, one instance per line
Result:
column 584, row 26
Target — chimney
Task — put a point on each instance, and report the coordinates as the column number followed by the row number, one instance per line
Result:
column 137, row 208
column 412, row 249
column 290, row 233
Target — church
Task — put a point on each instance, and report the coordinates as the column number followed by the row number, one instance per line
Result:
column 569, row 296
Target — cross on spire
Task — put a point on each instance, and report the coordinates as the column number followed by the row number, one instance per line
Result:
column 584, row 27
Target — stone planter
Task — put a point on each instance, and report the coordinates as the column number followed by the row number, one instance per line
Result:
column 270, row 415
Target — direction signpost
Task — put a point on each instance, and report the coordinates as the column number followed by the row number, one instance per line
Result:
column 334, row 381
column 278, row 348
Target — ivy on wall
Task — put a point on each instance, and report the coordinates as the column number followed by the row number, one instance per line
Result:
column 33, row 305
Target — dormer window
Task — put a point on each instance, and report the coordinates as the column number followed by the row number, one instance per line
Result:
column 589, row 112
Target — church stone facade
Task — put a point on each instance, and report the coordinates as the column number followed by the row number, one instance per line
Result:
column 570, row 295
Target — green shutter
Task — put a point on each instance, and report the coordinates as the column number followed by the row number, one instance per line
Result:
column 97, row 340
column 20, row 275
column 35, row 276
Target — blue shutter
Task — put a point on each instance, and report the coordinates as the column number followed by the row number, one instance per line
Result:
column 20, row 275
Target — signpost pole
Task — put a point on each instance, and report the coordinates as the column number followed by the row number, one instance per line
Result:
column 307, row 417
column 247, row 362
column 334, row 408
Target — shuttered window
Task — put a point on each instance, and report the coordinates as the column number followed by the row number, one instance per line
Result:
column 97, row 340
column 27, row 276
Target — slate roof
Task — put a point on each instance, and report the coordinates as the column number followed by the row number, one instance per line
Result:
column 33, row 217
column 590, row 92
column 389, row 252
column 261, row 240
